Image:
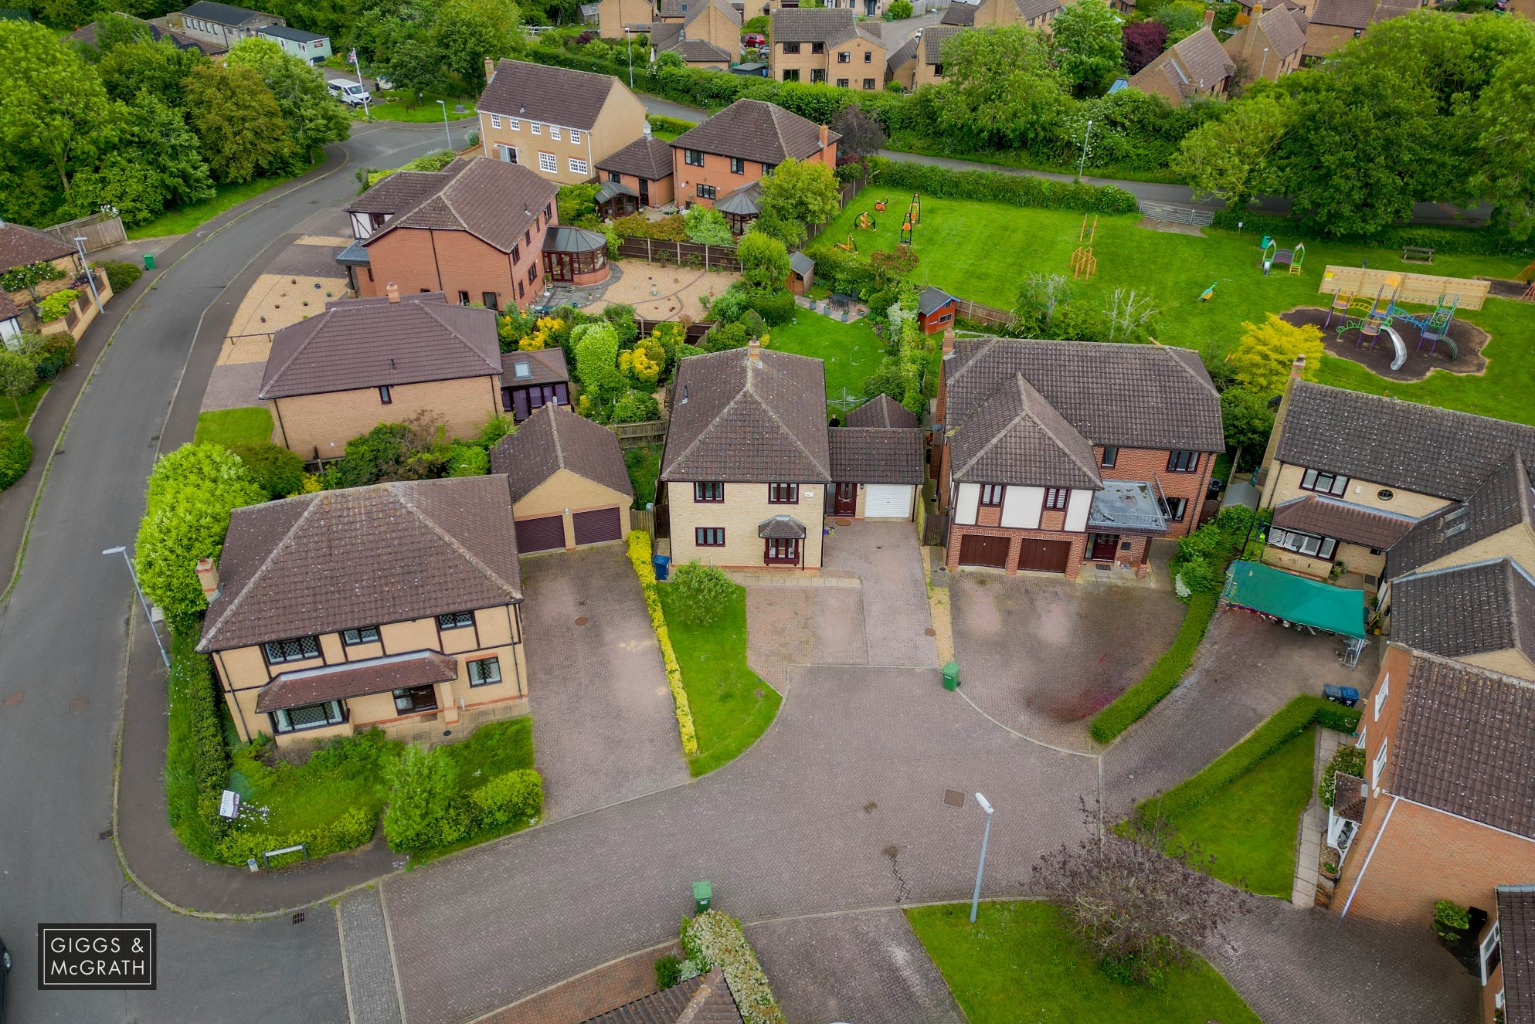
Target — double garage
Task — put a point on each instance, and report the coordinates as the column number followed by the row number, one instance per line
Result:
column 1034, row 555
column 548, row 532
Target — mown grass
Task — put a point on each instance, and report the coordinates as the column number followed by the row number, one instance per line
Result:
column 189, row 218
column 233, row 426
column 392, row 106
column 22, row 408
column 851, row 351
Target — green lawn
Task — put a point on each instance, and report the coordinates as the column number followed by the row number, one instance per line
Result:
column 391, row 107
column 495, row 748
column 1249, row 827
column 23, row 407
column 1019, row 963
column 189, row 218
column 1175, row 268
column 731, row 705
column 851, row 351
column 232, row 426
column 644, row 465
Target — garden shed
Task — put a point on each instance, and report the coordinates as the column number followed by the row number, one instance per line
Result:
column 801, row 273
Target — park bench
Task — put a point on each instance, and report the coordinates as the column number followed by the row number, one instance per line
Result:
column 1417, row 254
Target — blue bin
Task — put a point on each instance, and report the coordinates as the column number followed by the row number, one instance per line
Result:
column 663, row 566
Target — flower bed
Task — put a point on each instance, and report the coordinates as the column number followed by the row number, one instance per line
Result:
column 639, row 556
column 713, row 939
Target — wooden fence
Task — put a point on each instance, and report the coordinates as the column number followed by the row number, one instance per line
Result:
column 638, row 435
column 976, row 313
column 643, row 519
column 100, row 231
column 695, row 332
column 709, row 257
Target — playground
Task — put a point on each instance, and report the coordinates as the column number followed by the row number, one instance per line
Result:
column 1467, row 339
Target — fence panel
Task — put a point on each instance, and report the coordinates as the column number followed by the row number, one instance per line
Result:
column 979, row 314
column 643, row 519
column 695, row 332
column 638, row 435
column 100, row 231
column 709, row 257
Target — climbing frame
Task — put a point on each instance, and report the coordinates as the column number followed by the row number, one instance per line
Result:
column 1419, row 289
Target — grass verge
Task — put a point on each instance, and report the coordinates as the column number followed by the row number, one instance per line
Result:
column 232, row 426
column 1132, row 705
column 188, row 218
column 851, row 351
column 391, row 107
column 731, row 706
column 1020, row 962
column 27, row 403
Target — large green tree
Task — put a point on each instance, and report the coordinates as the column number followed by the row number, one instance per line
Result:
column 51, row 101
column 1001, row 89
column 238, row 122
column 797, row 194
column 1089, row 47
column 469, row 31
column 764, row 263
column 1504, row 126
column 154, row 161
column 1230, row 158
column 161, row 67
column 313, row 118
column 596, row 349
column 417, row 66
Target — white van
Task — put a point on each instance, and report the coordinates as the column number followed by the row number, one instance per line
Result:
column 349, row 93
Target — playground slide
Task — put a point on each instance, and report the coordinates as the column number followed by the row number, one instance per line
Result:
column 1398, row 344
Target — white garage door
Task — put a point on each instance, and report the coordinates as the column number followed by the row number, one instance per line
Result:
column 887, row 501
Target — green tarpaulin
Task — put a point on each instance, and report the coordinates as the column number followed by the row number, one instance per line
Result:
column 1295, row 598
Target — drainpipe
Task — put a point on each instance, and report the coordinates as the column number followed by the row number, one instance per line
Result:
column 1366, row 865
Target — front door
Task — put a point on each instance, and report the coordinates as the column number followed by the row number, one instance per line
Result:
column 644, row 192
column 846, row 502
column 1104, row 546
column 415, row 700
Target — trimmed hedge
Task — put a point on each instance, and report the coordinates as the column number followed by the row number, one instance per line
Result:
column 1132, row 705
column 15, row 454
column 1288, row 722
column 662, row 123
column 121, row 275
column 639, row 557
column 349, row 831
column 998, row 187
column 196, row 760
column 713, row 939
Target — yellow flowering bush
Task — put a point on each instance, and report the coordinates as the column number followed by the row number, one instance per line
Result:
column 639, row 557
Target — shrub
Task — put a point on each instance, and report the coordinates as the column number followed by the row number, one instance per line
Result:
column 508, row 799
column 777, row 308
column 121, row 275
column 660, row 123
column 636, row 407
column 668, row 971
column 1132, row 705
column 706, row 226
column 468, row 460
column 667, row 229
column 1451, row 920
column 577, row 205
column 196, row 760
column 350, row 830
column 621, row 316
column 54, row 306
column 713, row 939
column 1349, row 761
column 423, row 813
column 276, row 470
column 49, row 353
column 639, row 557
column 699, row 592
column 994, row 186
column 15, row 453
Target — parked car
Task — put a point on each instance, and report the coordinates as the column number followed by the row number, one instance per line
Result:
column 350, row 93
column 753, row 39
column 382, row 84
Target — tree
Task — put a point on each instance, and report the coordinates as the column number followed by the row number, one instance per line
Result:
column 17, row 377
column 468, row 31
column 1505, row 138
column 699, row 593
column 1039, row 299
column 114, row 30
column 29, row 276
column 279, row 471
column 764, row 263
column 1182, row 18
column 1001, row 90
column 596, row 348
column 1230, row 158
column 1262, row 359
column 415, row 66
column 1248, row 422
column 1130, row 316
column 238, row 121
column 1088, row 45
column 313, row 117
column 796, row 194
column 160, row 67
column 54, row 101
column 706, row 226
column 899, row 10
column 1144, row 42
column 155, row 161
column 413, row 450
column 1142, row 901
column 423, row 812
column 862, row 136
column 192, row 492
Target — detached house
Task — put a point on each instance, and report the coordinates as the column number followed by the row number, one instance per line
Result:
column 21, row 246
column 1053, row 454
column 1331, row 23
column 396, row 605
column 991, row 13
column 556, row 122
column 730, row 151
column 637, row 176
column 1270, row 44
column 708, row 35
column 828, row 46
column 223, row 24
column 1196, row 67
column 747, row 460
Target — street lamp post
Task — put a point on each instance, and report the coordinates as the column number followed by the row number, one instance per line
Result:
column 445, row 132
column 90, row 275
column 981, row 868
column 1085, row 136
column 120, row 550
column 629, row 45
column 1264, row 67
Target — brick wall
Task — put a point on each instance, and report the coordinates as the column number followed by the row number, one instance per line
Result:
column 716, row 171
column 957, row 533
column 745, row 507
column 1148, row 464
column 325, row 423
column 421, row 260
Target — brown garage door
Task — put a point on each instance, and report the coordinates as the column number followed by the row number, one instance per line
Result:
column 975, row 549
column 597, row 525
column 1044, row 555
column 540, row 534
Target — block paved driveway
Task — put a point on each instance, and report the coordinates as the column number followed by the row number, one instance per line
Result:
column 603, row 727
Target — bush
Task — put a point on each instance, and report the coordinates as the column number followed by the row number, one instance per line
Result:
column 121, row 275
column 468, row 460
column 713, row 939
column 996, row 187
column 667, row 229
column 1451, row 920
column 352, row 829
column 639, row 557
column 15, row 453
column 636, row 407
column 276, row 470
column 507, row 799
column 668, row 971
column 670, row 125
column 776, row 308
column 54, row 306
column 1132, row 705
column 49, row 353
column 196, row 760
column 699, row 592
column 423, row 813
column 1349, row 761
column 577, row 205
column 706, row 226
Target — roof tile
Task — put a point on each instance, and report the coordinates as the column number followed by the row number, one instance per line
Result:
column 555, row 438
column 755, row 130
column 1016, row 437
column 1352, row 523
column 538, row 92
column 1516, row 925
column 881, row 411
column 1473, row 609
column 877, row 455
column 495, row 201
column 21, row 245
column 648, row 157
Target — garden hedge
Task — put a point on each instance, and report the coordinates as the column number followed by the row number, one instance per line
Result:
column 1288, row 722
column 1444, row 239
column 998, row 187
column 351, row 830
column 1132, row 705
column 639, row 557
column 196, row 760
column 15, row 454
column 120, row 275
column 713, row 939
column 662, row 123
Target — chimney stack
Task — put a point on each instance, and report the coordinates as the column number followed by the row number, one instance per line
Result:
column 948, row 342
column 1209, row 17
column 208, row 576
column 490, row 70
column 754, row 352
column 393, row 291
column 1298, row 367
column 825, row 136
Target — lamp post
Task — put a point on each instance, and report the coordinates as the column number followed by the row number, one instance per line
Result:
column 445, row 132
column 120, row 550
column 981, row 868
column 1264, row 66
column 629, row 45
column 90, row 275
column 1083, row 162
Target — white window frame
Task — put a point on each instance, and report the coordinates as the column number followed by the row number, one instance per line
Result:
column 1336, row 489
column 579, row 166
column 554, row 132
column 1380, row 694
column 575, row 137
column 548, row 163
column 495, row 120
column 538, row 127
column 514, row 123
column 334, row 715
column 1378, row 766
column 1485, row 948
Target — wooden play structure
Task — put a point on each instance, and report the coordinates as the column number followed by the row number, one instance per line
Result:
column 913, row 219
column 1372, row 316
column 1272, row 254
column 1083, row 263
column 1418, row 289
column 849, row 245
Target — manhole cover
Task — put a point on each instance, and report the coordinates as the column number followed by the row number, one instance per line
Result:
column 79, row 704
column 930, row 631
column 954, row 798
column 581, row 621
column 12, row 699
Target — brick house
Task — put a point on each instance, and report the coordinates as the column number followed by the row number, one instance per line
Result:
column 737, row 146
column 1196, row 67
column 394, row 606
column 920, row 61
column 827, row 46
column 644, row 168
column 614, row 17
column 556, row 122
column 708, row 35
column 1450, row 806
column 1270, row 44
column 1332, row 23
column 1507, row 949
column 993, row 13
column 568, row 481
column 364, row 362
column 1052, row 454
column 474, row 231
column 747, row 460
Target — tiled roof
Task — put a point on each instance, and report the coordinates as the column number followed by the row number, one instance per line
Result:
column 1343, row 13
column 1465, row 744
column 369, row 344
column 1028, row 10
column 361, row 556
column 544, row 366
column 1016, row 437
column 933, row 40
column 932, row 299
column 221, row 14
column 1516, row 927
column 906, row 54
column 538, row 92
column 1349, row 796
column 815, row 25
column 1503, row 500
column 959, row 14
column 1193, row 64
column 1352, row 523
column 357, row 679
column 647, row 157
column 1132, row 396
column 1395, row 443
column 755, row 130
column 735, row 420
column 1279, row 27
column 87, row 35
column 8, row 308
column 492, row 200
column 881, row 411
column 698, row 10
column 671, row 37
column 705, row 1000
column 555, row 438
column 876, row 455
column 295, row 35
column 400, row 191
column 781, row 527
column 21, row 245
column 1473, row 609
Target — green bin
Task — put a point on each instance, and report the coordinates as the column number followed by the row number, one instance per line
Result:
column 149, row 261
column 703, row 897
column 951, row 676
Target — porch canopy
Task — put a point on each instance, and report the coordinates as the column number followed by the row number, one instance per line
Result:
column 1295, row 599
column 781, row 528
